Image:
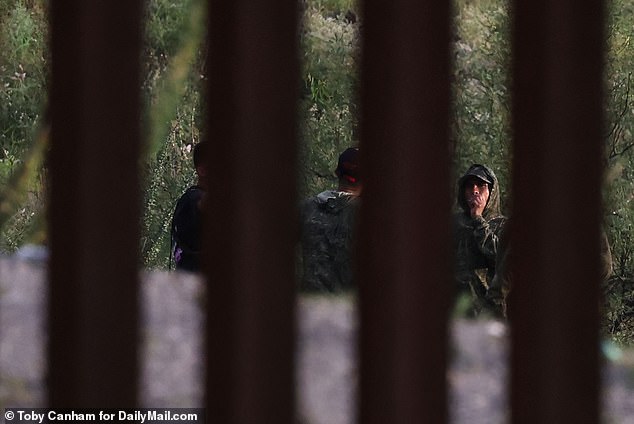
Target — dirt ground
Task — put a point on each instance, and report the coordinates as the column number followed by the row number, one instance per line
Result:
column 326, row 354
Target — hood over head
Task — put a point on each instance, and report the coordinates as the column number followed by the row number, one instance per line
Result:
column 348, row 165
column 486, row 174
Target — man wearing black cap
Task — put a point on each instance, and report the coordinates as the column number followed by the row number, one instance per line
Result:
column 477, row 229
column 328, row 221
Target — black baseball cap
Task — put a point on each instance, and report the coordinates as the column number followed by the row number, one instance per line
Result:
column 479, row 171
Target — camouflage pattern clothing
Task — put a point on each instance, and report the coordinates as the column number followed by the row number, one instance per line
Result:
column 476, row 240
column 500, row 284
column 328, row 222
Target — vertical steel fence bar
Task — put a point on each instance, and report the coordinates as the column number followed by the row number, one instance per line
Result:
column 251, row 220
column 557, row 71
column 94, row 213
column 403, row 264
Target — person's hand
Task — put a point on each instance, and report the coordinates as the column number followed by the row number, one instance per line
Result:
column 476, row 204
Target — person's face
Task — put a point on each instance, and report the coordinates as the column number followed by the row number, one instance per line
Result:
column 476, row 193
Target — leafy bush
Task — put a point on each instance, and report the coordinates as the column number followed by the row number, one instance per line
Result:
column 22, row 78
column 331, row 8
column 174, row 61
column 481, row 101
column 328, row 107
column 23, row 74
column 167, row 175
column 619, row 291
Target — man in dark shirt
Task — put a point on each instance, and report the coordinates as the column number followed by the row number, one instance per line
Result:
column 186, row 221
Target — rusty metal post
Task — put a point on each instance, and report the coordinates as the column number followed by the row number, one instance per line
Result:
column 251, row 219
column 404, row 246
column 94, row 204
column 557, row 72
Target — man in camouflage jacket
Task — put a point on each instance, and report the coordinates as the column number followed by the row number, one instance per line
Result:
column 477, row 228
column 328, row 222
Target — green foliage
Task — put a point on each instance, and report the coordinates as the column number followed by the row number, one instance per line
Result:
column 481, row 101
column 328, row 108
column 22, row 78
column 167, row 175
column 174, row 69
column 172, row 89
column 332, row 8
column 619, row 192
column 21, row 200
column 164, row 21
column 23, row 73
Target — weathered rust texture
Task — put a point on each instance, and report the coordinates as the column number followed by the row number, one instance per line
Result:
column 404, row 251
column 557, row 116
column 250, row 228
column 94, row 204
